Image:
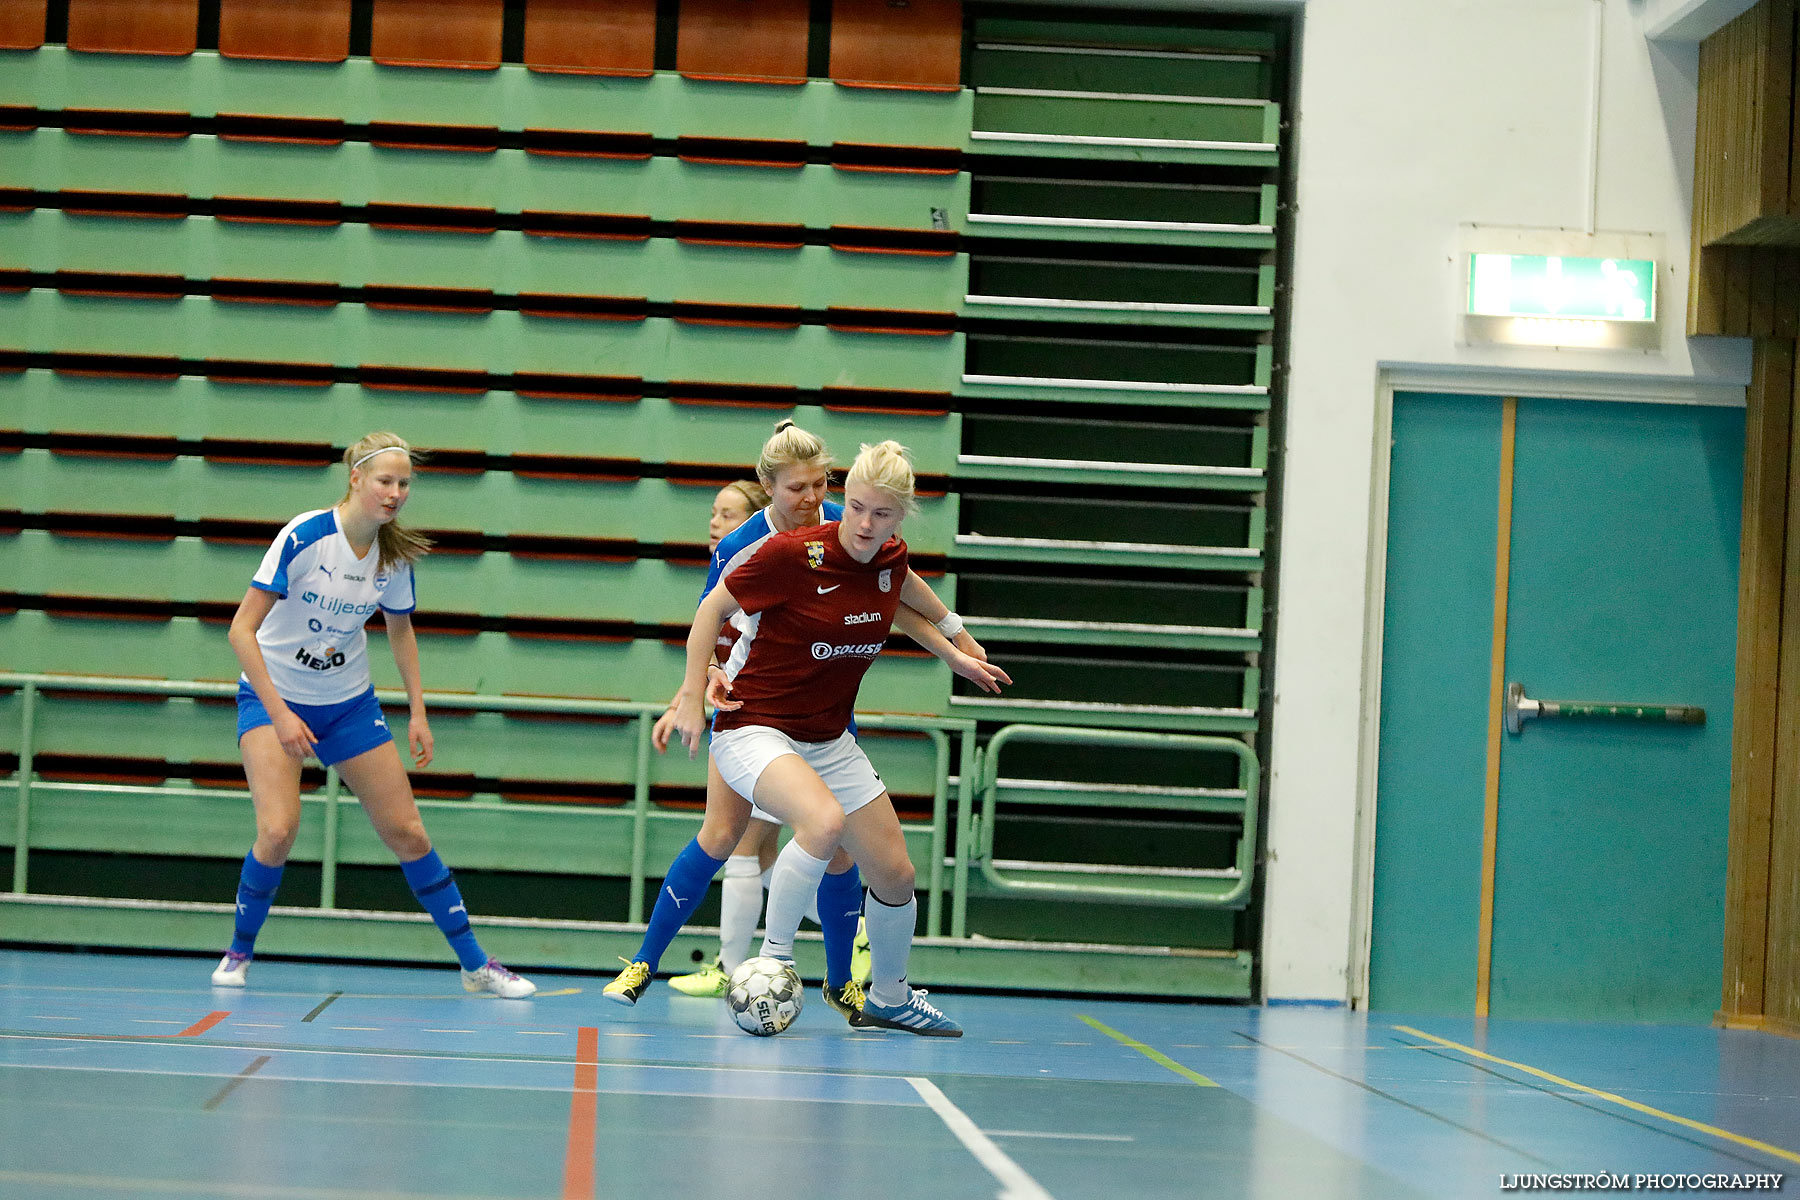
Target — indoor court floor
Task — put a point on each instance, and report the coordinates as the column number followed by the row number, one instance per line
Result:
column 128, row 1075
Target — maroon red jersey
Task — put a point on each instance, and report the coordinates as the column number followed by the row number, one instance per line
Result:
column 817, row 620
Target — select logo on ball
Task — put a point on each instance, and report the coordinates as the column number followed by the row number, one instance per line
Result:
column 764, row 996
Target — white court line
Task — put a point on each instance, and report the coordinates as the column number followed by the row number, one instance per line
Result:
column 98, row 1184
column 446, row 1031
column 561, row 1064
column 1061, row 1137
column 253, row 1025
column 151, row 1021
column 1015, row 1184
column 47, row 1017
column 523, row 1032
column 558, row 1087
column 360, row 1028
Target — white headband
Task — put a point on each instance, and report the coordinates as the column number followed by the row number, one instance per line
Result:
column 371, row 454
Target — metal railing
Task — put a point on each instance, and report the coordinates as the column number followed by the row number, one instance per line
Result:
column 1122, row 883
column 939, row 730
column 959, row 766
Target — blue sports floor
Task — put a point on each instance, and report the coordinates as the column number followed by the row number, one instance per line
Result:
column 130, row 1076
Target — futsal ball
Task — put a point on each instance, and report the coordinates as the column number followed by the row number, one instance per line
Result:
column 764, row 995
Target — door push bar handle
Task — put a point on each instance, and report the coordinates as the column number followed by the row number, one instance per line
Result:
column 1520, row 708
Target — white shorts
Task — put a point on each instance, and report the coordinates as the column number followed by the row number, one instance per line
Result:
column 742, row 754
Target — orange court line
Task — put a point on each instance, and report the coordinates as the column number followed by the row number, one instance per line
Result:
column 203, row 1024
column 578, row 1160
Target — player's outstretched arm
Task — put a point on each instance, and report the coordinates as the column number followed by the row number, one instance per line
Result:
column 979, row 671
column 916, row 594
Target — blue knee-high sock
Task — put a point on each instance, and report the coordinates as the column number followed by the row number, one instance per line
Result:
column 256, row 891
column 683, row 887
column 432, row 882
column 840, row 904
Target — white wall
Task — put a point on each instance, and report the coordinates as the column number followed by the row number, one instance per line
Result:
column 1416, row 117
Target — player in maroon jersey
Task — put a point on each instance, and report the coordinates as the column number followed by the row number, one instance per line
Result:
column 819, row 604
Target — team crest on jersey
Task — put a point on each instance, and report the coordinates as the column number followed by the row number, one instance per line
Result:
column 382, row 579
column 815, row 555
column 885, row 581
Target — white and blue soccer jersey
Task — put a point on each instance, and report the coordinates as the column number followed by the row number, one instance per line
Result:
column 313, row 639
column 734, row 549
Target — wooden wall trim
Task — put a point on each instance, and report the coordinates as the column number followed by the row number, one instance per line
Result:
column 1781, row 982
column 1744, row 130
column 1768, row 447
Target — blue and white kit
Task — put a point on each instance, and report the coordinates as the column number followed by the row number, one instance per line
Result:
column 313, row 640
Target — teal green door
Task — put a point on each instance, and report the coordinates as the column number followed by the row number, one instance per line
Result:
column 1610, row 853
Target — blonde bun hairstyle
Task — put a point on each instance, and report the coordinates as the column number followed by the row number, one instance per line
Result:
column 790, row 446
column 886, row 467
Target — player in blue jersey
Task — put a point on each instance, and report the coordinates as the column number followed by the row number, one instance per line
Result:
column 306, row 691
column 794, row 467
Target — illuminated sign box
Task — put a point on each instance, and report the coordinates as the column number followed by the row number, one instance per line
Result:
column 1565, row 288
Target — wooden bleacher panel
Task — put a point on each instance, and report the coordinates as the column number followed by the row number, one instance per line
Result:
column 817, row 112
column 691, row 437
column 496, row 503
column 681, row 352
column 168, row 27
column 749, row 41
column 916, row 45
column 1125, row 292
column 285, row 30
column 1097, row 372
column 581, row 38
column 437, row 33
column 817, row 196
column 22, row 24
column 1239, row 72
column 1045, row 206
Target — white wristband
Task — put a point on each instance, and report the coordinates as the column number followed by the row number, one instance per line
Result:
column 951, row 625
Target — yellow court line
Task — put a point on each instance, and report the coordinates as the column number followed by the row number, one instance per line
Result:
column 1633, row 1105
column 1149, row 1052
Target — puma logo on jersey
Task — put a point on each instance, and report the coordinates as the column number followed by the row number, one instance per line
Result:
column 834, row 587
column 326, row 571
column 457, row 908
column 679, row 902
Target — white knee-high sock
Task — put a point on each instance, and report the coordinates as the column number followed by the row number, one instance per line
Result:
column 812, row 906
column 793, row 884
column 740, row 904
column 890, row 929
